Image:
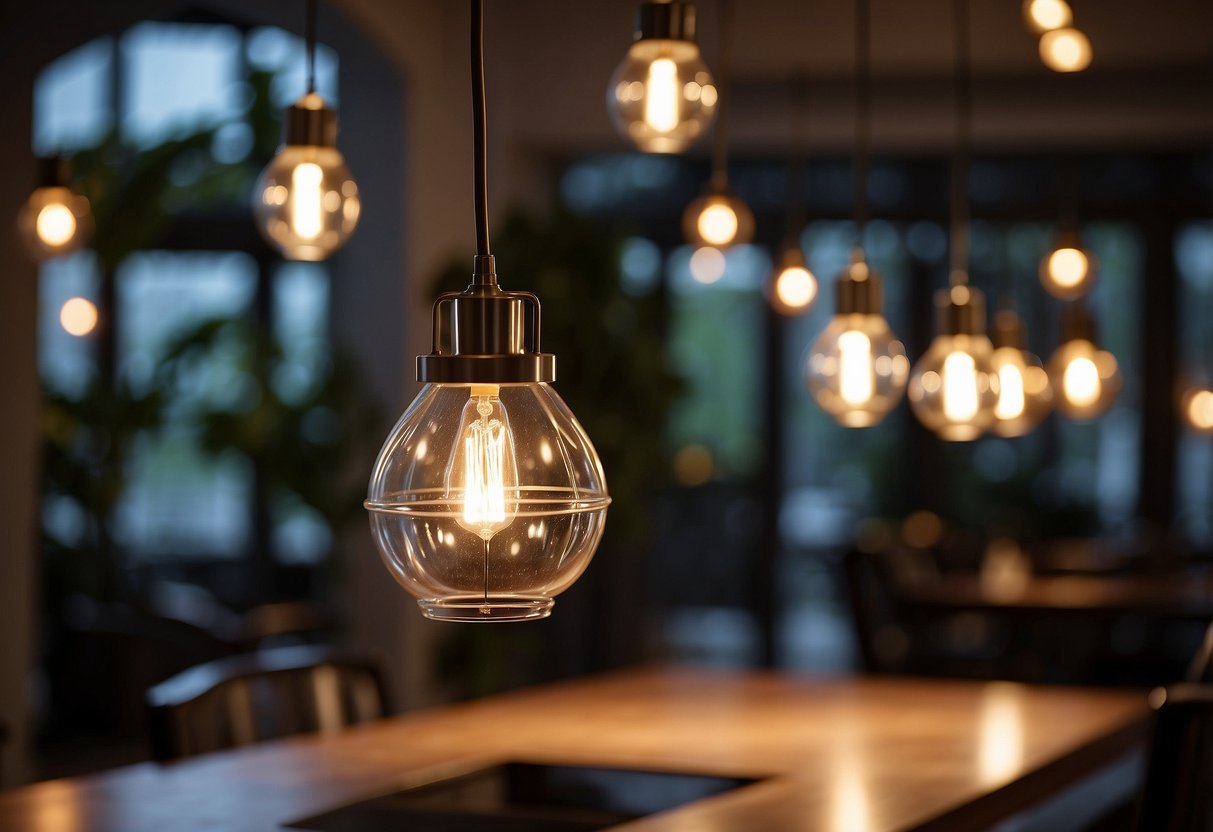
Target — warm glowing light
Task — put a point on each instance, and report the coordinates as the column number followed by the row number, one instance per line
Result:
column 307, row 208
column 1080, row 382
column 1046, row 15
column 707, row 265
column 1001, row 742
column 855, row 375
column 1010, row 392
column 56, row 224
column 922, row 529
column 693, row 465
column 795, row 289
column 717, row 224
column 1067, row 267
column 1199, row 410
column 661, row 100
column 960, row 393
column 78, row 316
column 489, row 468
column 1065, row 50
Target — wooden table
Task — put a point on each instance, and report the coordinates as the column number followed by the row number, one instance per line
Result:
column 841, row 754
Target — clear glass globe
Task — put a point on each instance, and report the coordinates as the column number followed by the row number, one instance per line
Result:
column 1068, row 272
column 792, row 287
column 857, row 369
column 55, row 220
column 719, row 220
column 1025, row 395
column 953, row 387
column 487, row 501
column 1086, row 379
column 306, row 202
column 662, row 97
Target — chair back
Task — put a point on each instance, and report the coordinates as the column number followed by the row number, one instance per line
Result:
column 272, row 693
column 1178, row 794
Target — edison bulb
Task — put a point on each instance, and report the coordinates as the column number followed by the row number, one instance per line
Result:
column 1065, row 50
column 1197, row 409
column 793, row 288
column 1046, row 15
column 487, row 501
column 857, row 368
column 1068, row 272
column 1086, row 379
column 1025, row 395
column 719, row 220
column 55, row 220
column 953, row 387
column 306, row 201
column 662, row 96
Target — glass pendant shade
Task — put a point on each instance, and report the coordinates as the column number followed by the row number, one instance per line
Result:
column 793, row 287
column 953, row 387
column 857, row 368
column 1086, row 379
column 662, row 97
column 487, row 499
column 1068, row 271
column 55, row 219
column 1025, row 395
column 719, row 220
column 306, row 201
column 1196, row 406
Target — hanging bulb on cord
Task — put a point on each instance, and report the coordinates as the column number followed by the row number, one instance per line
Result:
column 953, row 387
column 55, row 220
column 792, row 287
column 1086, row 378
column 662, row 96
column 487, row 499
column 1068, row 271
column 857, row 368
column 718, row 219
column 1024, row 393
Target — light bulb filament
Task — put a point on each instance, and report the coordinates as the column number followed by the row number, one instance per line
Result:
column 855, row 371
column 307, row 212
column 1080, row 382
column 1010, row 393
column 661, row 99
column 484, row 452
column 960, row 395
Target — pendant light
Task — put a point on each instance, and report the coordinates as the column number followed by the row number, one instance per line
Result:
column 792, row 287
column 857, row 368
column 953, row 389
column 1196, row 406
column 662, row 96
column 487, row 499
column 1025, row 395
column 1085, row 377
column 306, row 201
column 1062, row 47
column 1068, row 271
column 1046, row 15
column 55, row 219
column 719, row 218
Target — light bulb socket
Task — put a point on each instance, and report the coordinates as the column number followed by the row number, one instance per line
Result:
column 1077, row 323
column 859, row 289
column 1009, row 331
column 485, row 335
column 54, row 172
column 961, row 310
column 310, row 121
column 665, row 21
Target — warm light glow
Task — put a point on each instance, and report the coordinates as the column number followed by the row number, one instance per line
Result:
column 1010, row 392
column 1080, row 382
column 661, row 100
column 78, row 316
column 707, row 265
column 1065, row 50
column 960, row 393
column 1001, row 751
column 1046, row 15
column 1067, row 267
column 717, row 224
column 855, row 373
column 307, row 210
column 1200, row 410
column 56, row 224
column 795, row 288
column 693, row 465
column 489, row 467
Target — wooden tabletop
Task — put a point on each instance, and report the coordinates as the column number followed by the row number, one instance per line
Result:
column 841, row 754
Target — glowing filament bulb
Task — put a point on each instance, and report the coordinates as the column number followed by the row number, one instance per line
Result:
column 960, row 394
column 1080, row 382
column 307, row 212
column 855, row 383
column 1010, row 392
column 661, row 101
column 56, row 224
column 484, row 465
column 717, row 224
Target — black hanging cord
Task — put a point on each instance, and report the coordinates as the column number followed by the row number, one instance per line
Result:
column 309, row 33
column 480, row 138
column 720, row 147
column 863, row 107
column 964, row 137
column 798, row 105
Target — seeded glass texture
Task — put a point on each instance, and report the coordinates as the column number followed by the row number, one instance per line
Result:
column 486, row 502
column 306, row 202
column 662, row 97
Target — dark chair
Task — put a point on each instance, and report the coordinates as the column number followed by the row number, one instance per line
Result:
column 1178, row 793
column 1201, row 669
column 264, row 695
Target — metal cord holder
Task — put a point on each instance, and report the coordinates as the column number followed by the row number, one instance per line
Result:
column 665, row 21
column 961, row 310
column 859, row 290
column 310, row 121
column 486, row 335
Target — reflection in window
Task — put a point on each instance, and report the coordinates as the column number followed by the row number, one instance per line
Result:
column 72, row 109
column 66, row 362
column 1194, row 491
